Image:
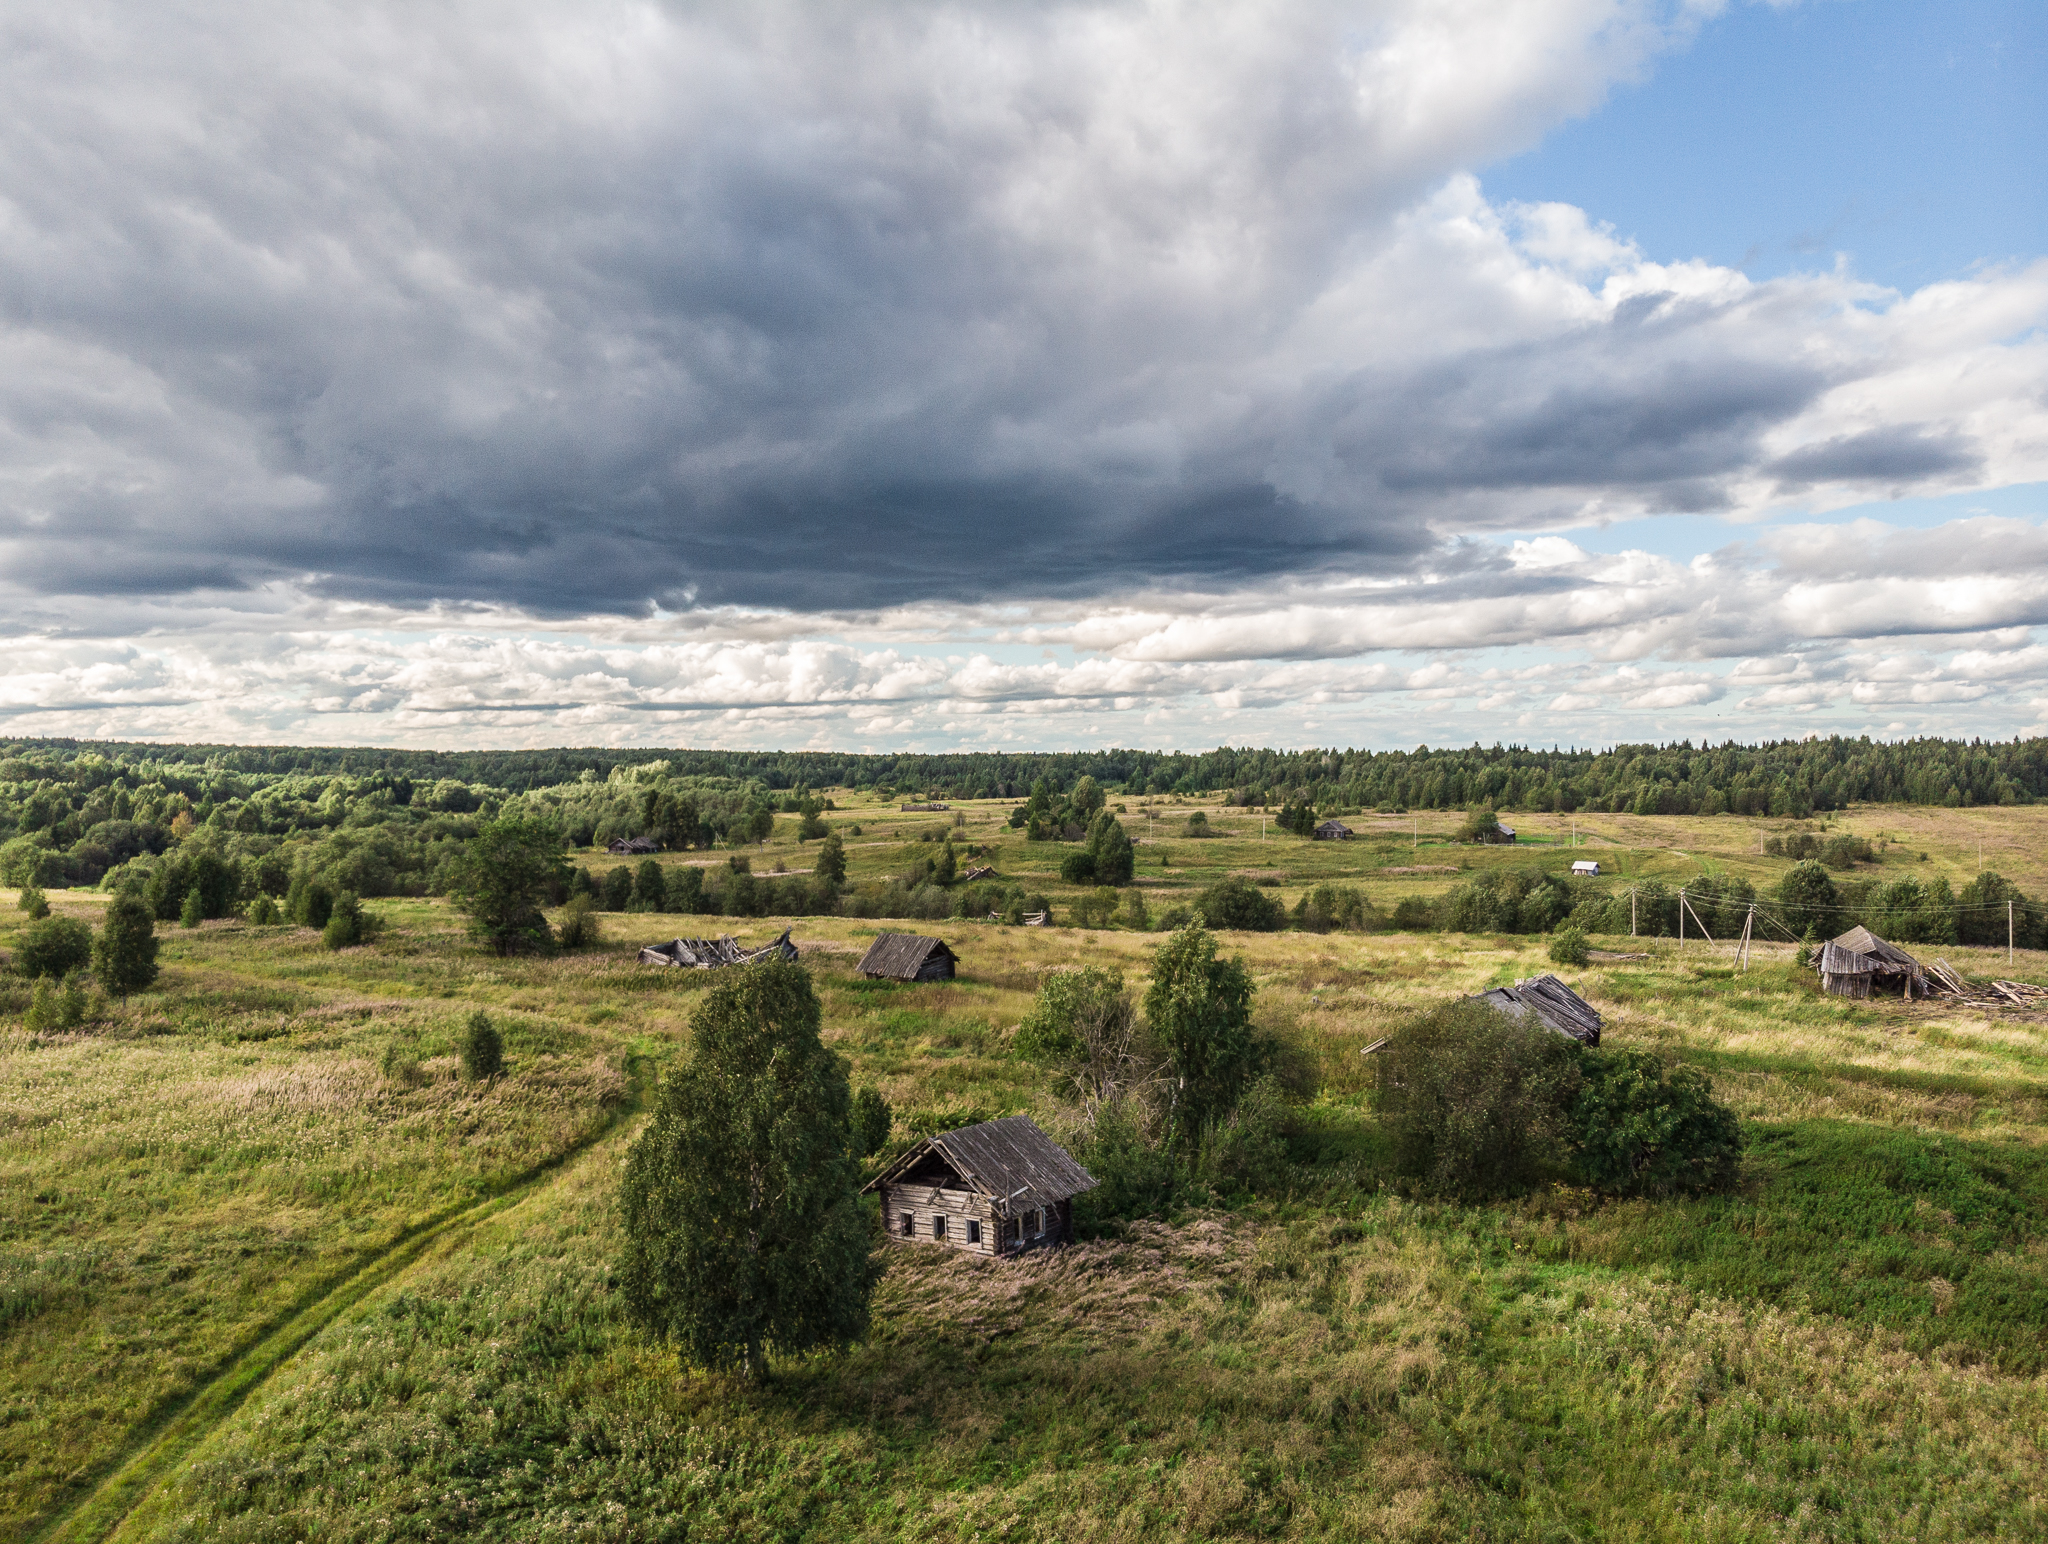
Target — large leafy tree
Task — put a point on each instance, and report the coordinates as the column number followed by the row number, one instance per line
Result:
column 504, row 880
column 744, row 1234
column 1809, row 901
column 1199, row 1008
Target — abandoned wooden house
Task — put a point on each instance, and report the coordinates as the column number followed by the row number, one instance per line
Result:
column 1554, row 1005
column 1585, row 868
column 1332, row 831
column 1860, row 964
column 998, row 1188
column 633, row 847
column 908, row 957
column 1499, row 836
column 983, row 871
column 710, row 953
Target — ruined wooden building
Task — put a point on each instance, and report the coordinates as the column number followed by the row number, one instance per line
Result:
column 710, row 953
column 1553, row 1005
column 1860, row 964
column 1332, row 831
column 633, row 847
column 908, row 957
column 998, row 1188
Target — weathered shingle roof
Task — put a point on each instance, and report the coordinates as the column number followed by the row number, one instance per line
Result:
column 1009, row 1159
column 1555, row 1005
column 902, row 955
column 1860, row 952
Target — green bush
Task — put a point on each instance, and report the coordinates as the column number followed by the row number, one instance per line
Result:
column 1235, row 902
column 34, row 902
column 124, row 954
column 872, row 1119
column 1641, row 1128
column 1249, row 1151
column 1135, row 1175
column 345, row 923
column 1474, row 1101
column 1568, row 947
column 1328, row 908
column 580, row 927
column 483, row 1048
column 1415, row 914
column 55, row 946
column 263, row 912
column 193, row 911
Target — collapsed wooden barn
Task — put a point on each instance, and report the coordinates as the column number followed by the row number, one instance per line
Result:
column 997, row 1188
column 633, row 847
column 711, row 953
column 1553, row 1005
column 908, row 957
column 1860, row 964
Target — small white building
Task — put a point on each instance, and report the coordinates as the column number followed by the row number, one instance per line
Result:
column 1585, row 868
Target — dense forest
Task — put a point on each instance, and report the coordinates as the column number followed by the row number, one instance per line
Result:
column 1789, row 777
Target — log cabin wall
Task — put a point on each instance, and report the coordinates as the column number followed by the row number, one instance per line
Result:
column 922, row 1203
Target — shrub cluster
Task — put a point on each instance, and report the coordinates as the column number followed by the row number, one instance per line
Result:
column 1479, row 1104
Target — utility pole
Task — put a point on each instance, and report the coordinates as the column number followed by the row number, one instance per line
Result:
column 1416, row 844
column 1681, row 919
column 2008, row 935
column 1748, row 925
column 1631, row 911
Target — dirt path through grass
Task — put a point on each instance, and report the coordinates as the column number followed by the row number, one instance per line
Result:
column 155, row 1448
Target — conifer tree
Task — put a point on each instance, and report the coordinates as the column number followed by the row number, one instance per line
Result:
column 124, row 954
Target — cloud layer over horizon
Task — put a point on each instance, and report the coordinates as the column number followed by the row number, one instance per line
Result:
column 936, row 373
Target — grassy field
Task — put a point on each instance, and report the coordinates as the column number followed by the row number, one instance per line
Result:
column 262, row 1243
column 1393, row 856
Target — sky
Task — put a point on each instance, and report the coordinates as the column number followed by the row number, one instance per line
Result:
column 933, row 376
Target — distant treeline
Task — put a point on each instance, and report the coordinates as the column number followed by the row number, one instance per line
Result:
column 1791, row 778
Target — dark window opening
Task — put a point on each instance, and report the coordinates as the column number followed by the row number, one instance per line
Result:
column 938, row 1227
column 973, row 1231
column 910, row 1224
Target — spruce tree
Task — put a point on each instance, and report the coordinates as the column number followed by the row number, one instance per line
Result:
column 832, row 860
column 744, row 1233
column 483, row 1048
column 124, row 954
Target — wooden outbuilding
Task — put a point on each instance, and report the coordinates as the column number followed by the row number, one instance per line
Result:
column 998, row 1188
column 634, row 847
column 1860, row 964
column 1585, row 868
column 908, row 957
column 1553, row 1004
column 710, row 953
column 1499, row 836
column 1332, row 831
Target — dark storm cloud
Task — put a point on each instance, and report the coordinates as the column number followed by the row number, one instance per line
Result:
column 1903, row 454
column 586, row 309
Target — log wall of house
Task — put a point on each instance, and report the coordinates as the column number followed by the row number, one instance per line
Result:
column 927, row 1201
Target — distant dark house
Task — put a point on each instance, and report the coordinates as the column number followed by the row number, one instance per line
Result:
column 1332, row 831
column 710, row 953
column 998, row 1188
column 634, row 846
column 1860, row 964
column 1553, row 1004
column 1499, row 836
column 927, row 807
column 908, row 957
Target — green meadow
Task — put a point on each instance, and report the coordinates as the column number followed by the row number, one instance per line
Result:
column 272, row 1269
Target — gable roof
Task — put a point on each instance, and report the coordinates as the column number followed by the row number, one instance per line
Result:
column 1860, row 952
column 1010, row 1160
column 1555, row 1005
column 902, row 955
column 1333, row 828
